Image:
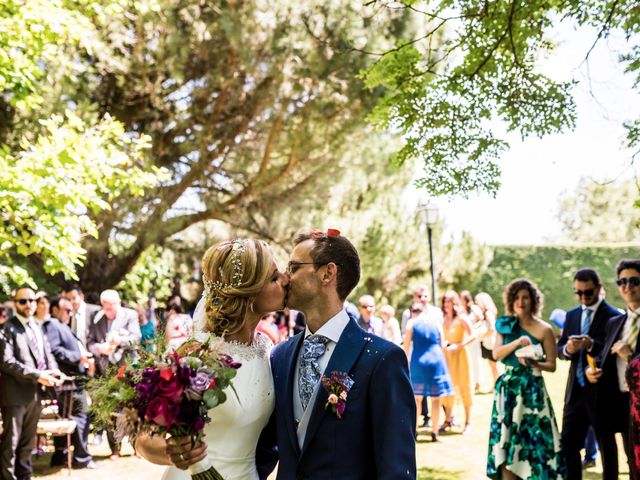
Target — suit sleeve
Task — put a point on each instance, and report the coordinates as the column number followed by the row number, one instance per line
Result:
column 92, row 339
column 9, row 364
column 133, row 327
column 393, row 417
column 61, row 354
column 562, row 343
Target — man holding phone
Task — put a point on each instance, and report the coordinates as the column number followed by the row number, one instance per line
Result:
column 584, row 334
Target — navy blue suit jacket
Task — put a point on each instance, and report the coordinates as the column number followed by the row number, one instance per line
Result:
column 597, row 331
column 374, row 439
column 64, row 346
column 616, row 404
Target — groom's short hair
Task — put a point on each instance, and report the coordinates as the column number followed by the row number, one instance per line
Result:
column 334, row 249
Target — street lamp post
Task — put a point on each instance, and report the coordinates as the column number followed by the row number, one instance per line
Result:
column 428, row 213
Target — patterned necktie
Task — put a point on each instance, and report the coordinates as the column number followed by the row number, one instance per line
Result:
column 33, row 343
column 313, row 348
column 584, row 330
column 631, row 338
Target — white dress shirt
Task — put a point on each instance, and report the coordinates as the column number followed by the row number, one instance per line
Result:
column 39, row 335
column 79, row 323
column 332, row 330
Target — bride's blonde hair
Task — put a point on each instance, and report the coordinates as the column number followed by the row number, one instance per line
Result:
column 233, row 273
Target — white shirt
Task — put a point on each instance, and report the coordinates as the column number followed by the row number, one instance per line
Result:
column 79, row 323
column 332, row 329
column 620, row 362
column 39, row 338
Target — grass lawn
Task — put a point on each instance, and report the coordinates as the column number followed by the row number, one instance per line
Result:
column 456, row 457
column 464, row 457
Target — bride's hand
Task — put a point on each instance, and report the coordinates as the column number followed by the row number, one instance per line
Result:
column 183, row 454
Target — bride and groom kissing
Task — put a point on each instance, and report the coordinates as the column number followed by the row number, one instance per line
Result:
column 331, row 402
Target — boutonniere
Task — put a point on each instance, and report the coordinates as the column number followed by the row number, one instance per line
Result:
column 337, row 386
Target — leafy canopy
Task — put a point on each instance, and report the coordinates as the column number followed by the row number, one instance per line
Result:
column 473, row 68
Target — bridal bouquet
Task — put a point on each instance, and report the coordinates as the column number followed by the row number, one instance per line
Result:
column 167, row 395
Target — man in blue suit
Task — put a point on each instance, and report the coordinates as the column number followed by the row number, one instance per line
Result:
column 374, row 436
column 73, row 361
column 584, row 333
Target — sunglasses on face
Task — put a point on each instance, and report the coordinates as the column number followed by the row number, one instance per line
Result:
column 585, row 293
column 367, row 306
column 631, row 281
column 23, row 301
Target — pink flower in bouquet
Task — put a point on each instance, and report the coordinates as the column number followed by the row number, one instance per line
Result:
column 333, row 399
column 343, row 395
column 162, row 412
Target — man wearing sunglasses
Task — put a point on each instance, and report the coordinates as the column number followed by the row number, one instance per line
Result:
column 73, row 360
column 584, row 334
column 620, row 346
column 26, row 364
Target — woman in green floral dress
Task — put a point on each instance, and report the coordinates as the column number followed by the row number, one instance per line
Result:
column 524, row 442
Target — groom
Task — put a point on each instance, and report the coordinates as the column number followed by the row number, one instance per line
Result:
column 374, row 436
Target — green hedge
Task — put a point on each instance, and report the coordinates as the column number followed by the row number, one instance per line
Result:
column 552, row 269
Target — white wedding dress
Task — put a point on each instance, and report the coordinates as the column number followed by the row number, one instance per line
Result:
column 232, row 435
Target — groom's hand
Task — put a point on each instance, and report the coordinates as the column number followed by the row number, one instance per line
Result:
column 182, row 453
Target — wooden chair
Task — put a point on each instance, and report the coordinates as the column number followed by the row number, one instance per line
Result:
column 54, row 422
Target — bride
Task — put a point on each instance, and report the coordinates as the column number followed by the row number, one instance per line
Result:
column 242, row 283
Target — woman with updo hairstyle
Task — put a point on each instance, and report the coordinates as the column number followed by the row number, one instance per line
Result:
column 234, row 274
column 524, row 442
column 242, row 283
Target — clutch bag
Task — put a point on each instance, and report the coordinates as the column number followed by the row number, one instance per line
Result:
column 532, row 352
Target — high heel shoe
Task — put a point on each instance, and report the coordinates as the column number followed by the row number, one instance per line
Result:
column 445, row 427
column 434, row 437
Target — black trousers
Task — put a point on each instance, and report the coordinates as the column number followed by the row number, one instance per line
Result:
column 80, row 437
column 579, row 414
column 19, row 424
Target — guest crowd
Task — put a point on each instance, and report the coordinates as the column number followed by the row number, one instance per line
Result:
column 47, row 342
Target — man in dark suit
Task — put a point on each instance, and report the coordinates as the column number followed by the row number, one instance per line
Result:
column 83, row 313
column 620, row 345
column 26, row 363
column 374, row 436
column 73, row 361
column 113, row 336
column 584, row 333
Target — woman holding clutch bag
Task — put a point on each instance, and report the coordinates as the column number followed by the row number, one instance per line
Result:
column 524, row 442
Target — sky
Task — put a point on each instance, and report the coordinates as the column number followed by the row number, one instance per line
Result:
column 535, row 171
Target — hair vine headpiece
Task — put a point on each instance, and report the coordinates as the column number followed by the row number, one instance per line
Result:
column 214, row 290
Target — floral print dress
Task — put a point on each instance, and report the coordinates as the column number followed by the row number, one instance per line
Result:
column 633, row 380
column 524, row 436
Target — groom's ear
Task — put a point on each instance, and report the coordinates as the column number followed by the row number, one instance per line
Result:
column 330, row 272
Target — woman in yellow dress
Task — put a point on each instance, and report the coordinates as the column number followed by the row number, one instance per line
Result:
column 457, row 334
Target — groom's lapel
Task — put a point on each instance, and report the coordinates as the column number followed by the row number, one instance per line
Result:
column 348, row 350
column 292, row 355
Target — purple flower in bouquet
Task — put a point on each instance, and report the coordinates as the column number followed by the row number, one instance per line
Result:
column 162, row 412
column 198, row 424
column 145, row 391
column 228, row 361
column 198, row 384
